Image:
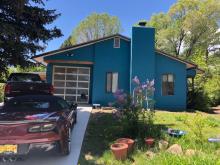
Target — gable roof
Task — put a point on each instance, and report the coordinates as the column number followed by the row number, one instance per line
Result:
column 39, row 58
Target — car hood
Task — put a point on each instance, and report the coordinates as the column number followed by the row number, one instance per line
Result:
column 28, row 116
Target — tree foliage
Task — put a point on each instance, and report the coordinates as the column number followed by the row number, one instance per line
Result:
column 189, row 24
column 24, row 31
column 93, row 27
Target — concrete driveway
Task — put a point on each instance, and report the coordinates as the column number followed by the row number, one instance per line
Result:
column 51, row 157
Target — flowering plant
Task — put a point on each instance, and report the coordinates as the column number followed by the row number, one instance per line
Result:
column 136, row 107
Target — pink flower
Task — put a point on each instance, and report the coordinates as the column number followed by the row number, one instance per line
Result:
column 136, row 80
column 152, row 83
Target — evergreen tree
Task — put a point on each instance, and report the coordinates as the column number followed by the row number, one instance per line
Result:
column 23, row 31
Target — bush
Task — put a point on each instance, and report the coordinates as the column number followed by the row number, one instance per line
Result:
column 136, row 111
column 198, row 100
column 212, row 89
column 1, row 92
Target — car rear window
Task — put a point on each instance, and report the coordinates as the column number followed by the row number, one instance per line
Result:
column 19, row 106
column 24, row 78
column 30, row 104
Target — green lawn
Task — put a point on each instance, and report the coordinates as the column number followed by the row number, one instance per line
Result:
column 103, row 130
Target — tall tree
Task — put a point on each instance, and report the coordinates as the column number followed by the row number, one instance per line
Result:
column 93, row 27
column 23, row 31
column 189, row 24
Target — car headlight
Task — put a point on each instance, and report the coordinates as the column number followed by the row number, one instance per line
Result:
column 42, row 128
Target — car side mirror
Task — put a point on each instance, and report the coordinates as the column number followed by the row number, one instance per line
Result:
column 73, row 106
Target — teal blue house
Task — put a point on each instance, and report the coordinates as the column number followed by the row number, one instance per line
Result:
column 91, row 72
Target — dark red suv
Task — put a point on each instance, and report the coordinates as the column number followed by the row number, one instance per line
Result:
column 28, row 122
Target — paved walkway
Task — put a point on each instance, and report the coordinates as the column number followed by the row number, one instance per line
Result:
column 52, row 158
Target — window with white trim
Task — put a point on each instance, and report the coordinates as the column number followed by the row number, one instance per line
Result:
column 116, row 42
column 111, row 82
column 168, row 85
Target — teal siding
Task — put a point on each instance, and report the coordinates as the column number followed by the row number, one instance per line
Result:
column 166, row 65
column 80, row 54
column 109, row 59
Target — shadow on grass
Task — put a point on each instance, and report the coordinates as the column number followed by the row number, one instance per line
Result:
column 102, row 130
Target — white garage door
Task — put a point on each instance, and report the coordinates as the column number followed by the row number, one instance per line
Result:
column 72, row 83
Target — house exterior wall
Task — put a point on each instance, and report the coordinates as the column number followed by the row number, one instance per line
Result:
column 105, row 59
column 136, row 59
column 165, row 65
column 109, row 59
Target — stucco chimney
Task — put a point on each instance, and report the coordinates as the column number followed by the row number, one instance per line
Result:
column 143, row 52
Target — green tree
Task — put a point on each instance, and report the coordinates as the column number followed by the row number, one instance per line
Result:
column 189, row 24
column 23, row 31
column 93, row 27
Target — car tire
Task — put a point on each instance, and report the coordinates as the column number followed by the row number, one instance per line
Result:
column 75, row 118
column 65, row 149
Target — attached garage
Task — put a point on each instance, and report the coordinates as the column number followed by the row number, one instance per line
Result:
column 72, row 83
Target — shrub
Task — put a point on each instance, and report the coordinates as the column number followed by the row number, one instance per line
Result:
column 136, row 111
column 197, row 126
column 198, row 100
column 1, row 92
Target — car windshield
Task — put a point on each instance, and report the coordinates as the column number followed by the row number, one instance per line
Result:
column 24, row 77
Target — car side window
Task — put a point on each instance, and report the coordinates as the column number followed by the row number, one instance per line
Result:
column 63, row 104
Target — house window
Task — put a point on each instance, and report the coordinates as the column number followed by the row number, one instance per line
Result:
column 116, row 42
column 111, row 82
column 167, row 84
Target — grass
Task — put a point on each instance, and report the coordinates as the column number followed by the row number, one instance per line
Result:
column 103, row 130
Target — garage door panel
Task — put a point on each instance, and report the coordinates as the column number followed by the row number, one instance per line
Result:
column 71, row 70
column 59, row 83
column 83, row 78
column 71, row 84
column 83, row 85
column 83, row 71
column 71, row 77
column 59, row 77
column 59, row 90
column 83, row 91
column 70, row 91
column 59, row 70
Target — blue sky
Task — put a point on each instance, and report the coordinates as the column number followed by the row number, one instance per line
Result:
column 128, row 11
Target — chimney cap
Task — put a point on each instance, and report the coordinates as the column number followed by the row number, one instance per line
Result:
column 142, row 23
